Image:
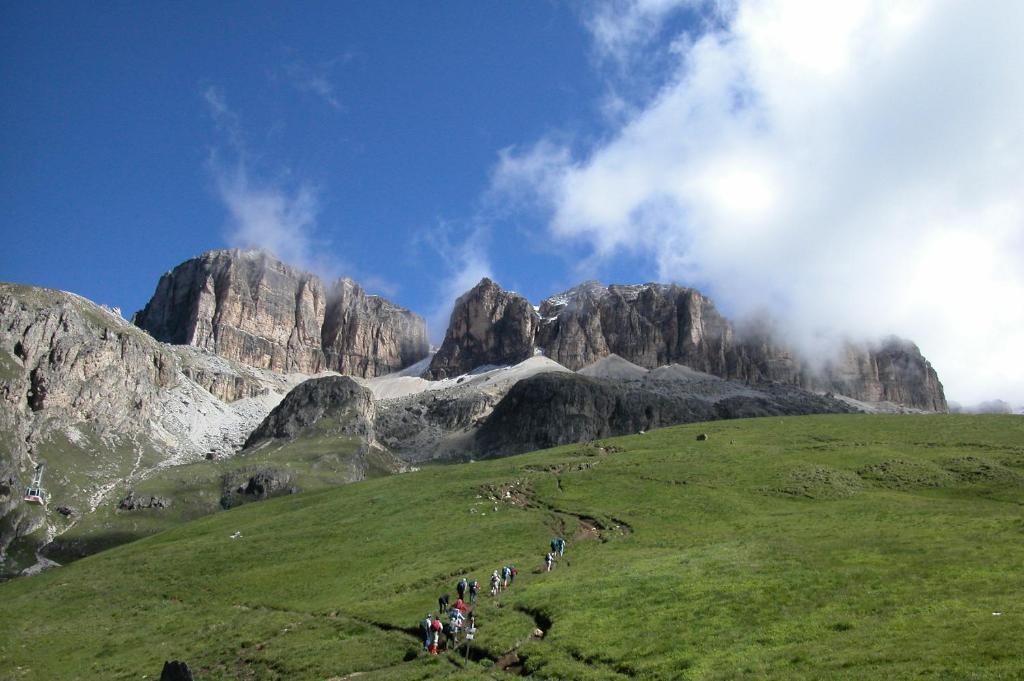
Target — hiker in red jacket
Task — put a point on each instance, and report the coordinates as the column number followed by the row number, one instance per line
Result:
column 436, row 628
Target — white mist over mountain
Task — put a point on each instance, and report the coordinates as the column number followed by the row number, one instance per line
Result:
column 855, row 167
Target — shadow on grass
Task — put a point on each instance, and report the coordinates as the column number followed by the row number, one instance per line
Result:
column 67, row 550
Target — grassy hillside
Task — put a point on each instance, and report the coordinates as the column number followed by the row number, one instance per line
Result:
column 840, row 547
column 195, row 490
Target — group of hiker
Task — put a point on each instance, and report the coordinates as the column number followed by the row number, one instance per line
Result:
column 557, row 546
column 461, row 615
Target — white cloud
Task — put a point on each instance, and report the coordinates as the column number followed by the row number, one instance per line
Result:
column 619, row 26
column 465, row 263
column 315, row 79
column 855, row 167
column 269, row 215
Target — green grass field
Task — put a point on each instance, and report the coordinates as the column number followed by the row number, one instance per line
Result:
column 826, row 547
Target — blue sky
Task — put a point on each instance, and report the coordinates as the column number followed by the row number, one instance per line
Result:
column 853, row 167
column 391, row 115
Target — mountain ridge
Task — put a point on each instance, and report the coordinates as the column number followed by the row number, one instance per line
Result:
column 656, row 324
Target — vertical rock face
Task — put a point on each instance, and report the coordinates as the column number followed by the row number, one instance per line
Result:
column 488, row 326
column 650, row 325
column 891, row 371
column 243, row 305
column 657, row 324
column 368, row 335
column 248, row 306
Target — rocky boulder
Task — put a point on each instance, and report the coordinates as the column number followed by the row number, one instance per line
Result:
column 488, row 326
column 333, row 405
column 554, row 409
column 134, row 503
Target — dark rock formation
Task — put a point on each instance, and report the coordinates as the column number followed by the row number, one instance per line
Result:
column 257, row 483
column 250, row 307
column 433, row 425
column 488, row 326
column 134, row 503
column 553, row 409
column 334, row 405
column 175, row 670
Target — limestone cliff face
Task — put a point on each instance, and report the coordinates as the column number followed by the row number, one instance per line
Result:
column 249, row 307
column 488, row 326
column 79, row 360
column 369, row 336
column 657, row 324
column 891, row 371
column 651, row 325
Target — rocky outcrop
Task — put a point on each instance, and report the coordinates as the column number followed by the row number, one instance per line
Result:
column 71, row 372
column 134, row 503
column 651, row 325
column 229, row 387
column 891, row 371
column 553, row 409
column 101, row 404
column 250, row 307
column 175, row 670
column 243, row 305
column 488, row 326
column 368, row 336
column 654, row 325
column 334, row 405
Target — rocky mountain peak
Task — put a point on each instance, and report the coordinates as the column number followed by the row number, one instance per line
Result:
column 656, row 324
column 488, row 325
column 251, row 307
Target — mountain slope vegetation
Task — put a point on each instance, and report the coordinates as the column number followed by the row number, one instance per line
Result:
column 840, row 546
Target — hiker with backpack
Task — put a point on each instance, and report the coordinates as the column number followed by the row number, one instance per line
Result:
column 549, row 561
column 506, row 575
column 495, row 583
column 474, row 589
column 560, row 546
column 461, row 588
column 435, row 628
column 512, row 574
column 442, row 603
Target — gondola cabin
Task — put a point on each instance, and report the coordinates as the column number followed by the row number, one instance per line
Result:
column 34, row 492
